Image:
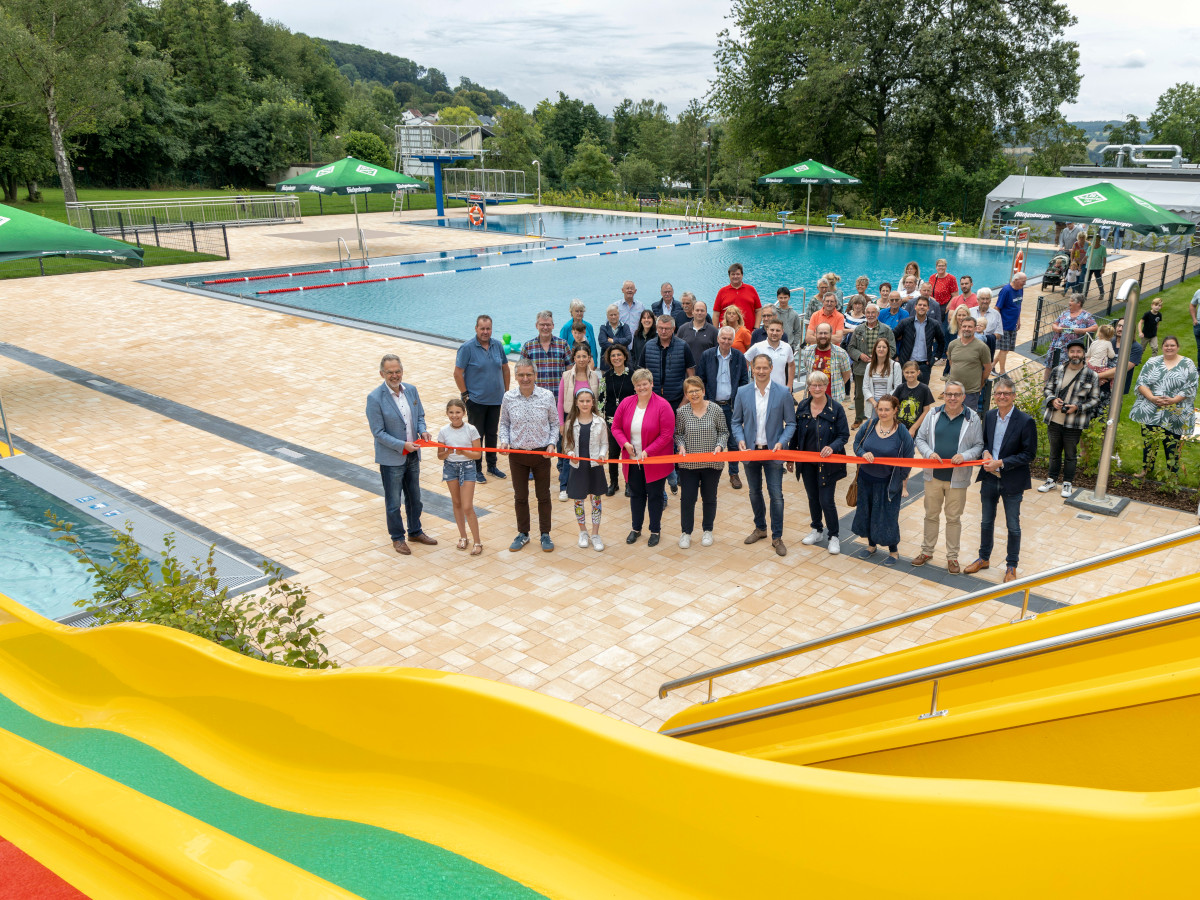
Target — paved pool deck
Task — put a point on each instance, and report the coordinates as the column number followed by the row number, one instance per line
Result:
column 250, row 421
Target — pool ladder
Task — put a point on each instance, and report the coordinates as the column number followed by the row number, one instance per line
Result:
column 362, row 249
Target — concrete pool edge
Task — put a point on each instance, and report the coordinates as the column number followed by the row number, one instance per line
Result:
column 78, row 489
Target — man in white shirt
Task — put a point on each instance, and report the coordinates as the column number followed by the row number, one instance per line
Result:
column 783, row 358
column 764, row 415
column 628, row 309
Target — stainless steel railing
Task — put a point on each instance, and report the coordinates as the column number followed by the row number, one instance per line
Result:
column 7, row 435
column 935, row 673
column 1025, row 584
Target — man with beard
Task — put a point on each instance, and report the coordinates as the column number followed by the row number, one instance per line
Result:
column 826, row 356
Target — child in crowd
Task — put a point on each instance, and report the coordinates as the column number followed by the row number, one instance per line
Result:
column 585, row 436
column 1149, row 326
column 460, row 460
column 915, row 400
column 1102, row 351
column 1071, row 282
column 578, row 335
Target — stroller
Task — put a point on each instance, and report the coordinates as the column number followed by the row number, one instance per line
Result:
column 1055, row 272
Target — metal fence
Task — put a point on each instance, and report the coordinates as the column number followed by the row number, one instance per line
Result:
column 1154, row 276
column 119, row 216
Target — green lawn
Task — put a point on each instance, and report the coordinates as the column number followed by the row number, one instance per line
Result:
column 310, row 204
column 155, row 256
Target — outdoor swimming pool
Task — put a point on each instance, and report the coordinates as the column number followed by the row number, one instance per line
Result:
column 35, row 569
column 513, row 283
column 557, row 224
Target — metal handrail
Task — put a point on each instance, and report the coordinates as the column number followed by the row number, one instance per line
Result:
column 362, row 246
column 1120, row 628
column 342, row 243
column 7, row 434
column 1025, row 584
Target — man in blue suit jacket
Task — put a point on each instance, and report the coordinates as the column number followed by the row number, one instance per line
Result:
column 764, row 418
column 397, row 419
column 724, row 371
column 1009, row 445
column 668, row 305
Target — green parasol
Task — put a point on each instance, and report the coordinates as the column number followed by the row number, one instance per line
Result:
column 350, row 176
column 24, row 235
column 809, row 172
column 1101, row 204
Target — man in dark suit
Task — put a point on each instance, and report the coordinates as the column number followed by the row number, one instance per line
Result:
column 764, row 418
column 919, row 338
column 1009, row 445
column 397, row 419
column 724, row 371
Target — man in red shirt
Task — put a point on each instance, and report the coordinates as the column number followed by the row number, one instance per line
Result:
column 741, row 295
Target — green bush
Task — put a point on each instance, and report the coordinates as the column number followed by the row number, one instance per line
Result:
column 274, row 626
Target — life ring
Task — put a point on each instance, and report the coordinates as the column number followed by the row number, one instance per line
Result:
column 1019, row 262
column 475, row 215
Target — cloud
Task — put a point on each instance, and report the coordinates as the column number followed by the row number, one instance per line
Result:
column 1135, row 59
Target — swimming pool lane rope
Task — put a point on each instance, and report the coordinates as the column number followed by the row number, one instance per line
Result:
column 526, row 262
column 660, row 232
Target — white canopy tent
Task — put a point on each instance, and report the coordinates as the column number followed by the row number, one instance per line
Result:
column 1181, row 197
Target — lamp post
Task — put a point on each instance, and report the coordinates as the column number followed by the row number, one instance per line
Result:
column 539, row 197
column 707, row 145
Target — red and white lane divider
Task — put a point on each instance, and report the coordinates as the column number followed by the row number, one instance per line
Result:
column 588, row 237
column 526, row 262
column 283, row 275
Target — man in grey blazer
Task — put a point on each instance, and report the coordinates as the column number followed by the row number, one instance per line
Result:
column 764, row 418
column 397, row 419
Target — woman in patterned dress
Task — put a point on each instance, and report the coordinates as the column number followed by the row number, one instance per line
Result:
column 1166, row 404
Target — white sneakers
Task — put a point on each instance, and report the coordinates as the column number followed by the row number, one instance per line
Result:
column 583, row 540
column 1067, row 490
column 562, row 495
column 597, row 544
column 1047, row 486
column 685, row 541
column 815, row 535
column 707, row 540
column 835, row 546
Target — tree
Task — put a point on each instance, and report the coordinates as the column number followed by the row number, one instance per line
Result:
column 1130, row 132
column 566, row 122
column 638, row 175
column 457, row 115
column 368, row 147
column 516, row 141
column 1176, row 119
column 66, row 56
column 921, row 83
column 688, row 154
column 590, row 168
column 1056, row 143
column 24, row 151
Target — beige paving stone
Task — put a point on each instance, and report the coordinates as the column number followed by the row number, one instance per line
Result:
column 599, row 630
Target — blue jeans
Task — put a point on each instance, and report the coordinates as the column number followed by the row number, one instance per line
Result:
column 991, row 496
column 754, row 479
column 727, row 408
column 402, row 483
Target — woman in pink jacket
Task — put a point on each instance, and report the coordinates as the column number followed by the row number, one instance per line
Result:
column 644, row 425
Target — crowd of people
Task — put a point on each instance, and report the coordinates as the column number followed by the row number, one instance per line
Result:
column 675, row 378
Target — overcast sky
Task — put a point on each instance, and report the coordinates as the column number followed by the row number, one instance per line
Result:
column 604, row 51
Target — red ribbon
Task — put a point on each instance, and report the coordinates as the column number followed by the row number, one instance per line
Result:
column 783, row 455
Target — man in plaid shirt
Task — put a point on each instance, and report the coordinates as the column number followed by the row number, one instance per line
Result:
column 548, row 353
column 1072, row 397
column 826, row 356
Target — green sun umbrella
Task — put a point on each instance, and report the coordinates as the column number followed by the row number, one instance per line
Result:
column 1101, row 204
column 350, row 176
column 24, row 235
column 809, row 172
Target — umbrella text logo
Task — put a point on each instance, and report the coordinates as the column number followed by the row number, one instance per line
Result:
column 324, row 171
column 4, row 221
column 801, row 168
column 1145, row 204
column 1089, row 198
column 367, row 170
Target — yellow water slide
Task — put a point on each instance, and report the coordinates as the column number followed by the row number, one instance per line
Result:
column 264, row 782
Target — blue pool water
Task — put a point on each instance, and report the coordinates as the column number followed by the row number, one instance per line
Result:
column 456, row 287
column 35, row 569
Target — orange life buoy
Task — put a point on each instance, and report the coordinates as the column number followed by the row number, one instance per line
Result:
column 1019, row 262
column 475, row 215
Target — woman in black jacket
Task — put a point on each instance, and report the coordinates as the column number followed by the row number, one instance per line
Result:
column 642, row 335
column 821, row 427
column 615, row 387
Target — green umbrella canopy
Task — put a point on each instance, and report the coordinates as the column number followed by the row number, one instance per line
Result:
column 1101, row 204
column 809, row 172
column 350, row 176
column 24, row 235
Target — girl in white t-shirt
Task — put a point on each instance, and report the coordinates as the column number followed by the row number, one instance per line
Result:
column 459, row 461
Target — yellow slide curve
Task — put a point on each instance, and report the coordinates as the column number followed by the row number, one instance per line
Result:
column 563, row 800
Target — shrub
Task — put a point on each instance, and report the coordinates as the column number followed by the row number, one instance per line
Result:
column 273, row 626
